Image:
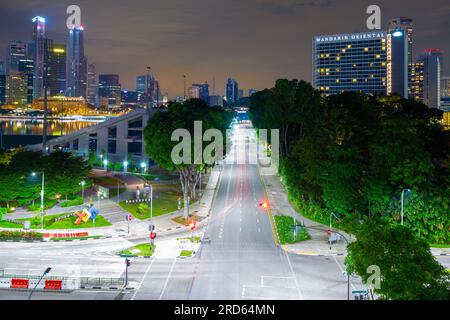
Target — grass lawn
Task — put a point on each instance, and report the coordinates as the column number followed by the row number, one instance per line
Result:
column 145, row 250
column 164, row 202
column 186, row 253
column 195, row 239
column 284, row 227
column 49, row 224
column 437, row 245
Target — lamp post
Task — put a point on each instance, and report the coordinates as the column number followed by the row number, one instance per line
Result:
column 40, row 279
column 42, row 196
column 105, row 164
column 82, row 183
column 402, row 202
column 125, row 166
column 151, row 227
column 143, row 167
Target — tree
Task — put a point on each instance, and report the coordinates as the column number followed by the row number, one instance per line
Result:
column 408, row 269
column 159, row 144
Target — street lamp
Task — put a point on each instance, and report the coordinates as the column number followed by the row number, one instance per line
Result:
column 82, row 183
column 34, row 174
column 402, row 201
column 143, row 166
column 105, row 164
column 40, row 279
column 125, row 165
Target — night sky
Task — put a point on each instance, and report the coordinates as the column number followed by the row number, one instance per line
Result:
column 254, row 41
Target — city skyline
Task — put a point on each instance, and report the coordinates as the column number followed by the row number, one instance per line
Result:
column 195, row 39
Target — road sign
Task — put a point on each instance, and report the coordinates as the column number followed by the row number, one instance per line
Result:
column 152, row 235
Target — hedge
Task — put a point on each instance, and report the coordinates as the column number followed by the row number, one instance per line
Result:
column 20, row 235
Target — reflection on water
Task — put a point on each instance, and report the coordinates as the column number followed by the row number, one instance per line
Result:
column 36, row 127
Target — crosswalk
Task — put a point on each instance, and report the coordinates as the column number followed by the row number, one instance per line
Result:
column 112, row 212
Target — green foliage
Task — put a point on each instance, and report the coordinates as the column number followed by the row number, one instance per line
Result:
column 3, row 211
column 408, row 270
column 143, row 208
column 352, row 155
column 285, row 231
column 63, row 172
column 70, row 203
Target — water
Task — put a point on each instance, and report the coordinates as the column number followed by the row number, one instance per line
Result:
column 35, row 127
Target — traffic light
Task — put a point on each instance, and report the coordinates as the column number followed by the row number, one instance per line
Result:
column 152, row 235
column 264, row 205
column 329, row 232
column 127, row 262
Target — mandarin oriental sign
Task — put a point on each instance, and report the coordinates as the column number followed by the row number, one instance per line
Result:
column 350, row 37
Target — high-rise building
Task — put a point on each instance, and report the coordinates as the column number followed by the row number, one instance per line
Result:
column 92, row 85
column 26, row 68
column 416, row 81
column 232, row 91
column 57, row 70
column 2, row 68
column 2, row 89
column 397, row 62
column 405, row 24
column 109, row 90
column 129, row 98
column 77, row 64
column 200, row 91
column 145, row 87
column 194, row 92
column 445, row 94
column 15, row 51
column 350, row 62
column 216, row 100
column 17, row 89
column 39, row 48
column 432, row 61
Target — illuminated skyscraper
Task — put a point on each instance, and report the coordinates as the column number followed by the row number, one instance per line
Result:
column 145, row 87
column 397, row 62
column 77, row 64
column 350, row 62
column 415, row 81
column 2, row 89
column 232, row 91
column 39, row 49
column 432, row 61
column 57, row 70
column 15, row 51
column 405, row 24
column 200, row 91
column 109, row 90
column 92, row 85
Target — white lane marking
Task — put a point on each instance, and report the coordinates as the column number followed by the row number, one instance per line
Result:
column 344, row 272
column 167, row 280
column 143, row 278
column 294, row 276
column 259, row 229
column 240, row 229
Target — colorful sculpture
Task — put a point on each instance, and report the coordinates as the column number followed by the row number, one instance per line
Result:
column 84, row 215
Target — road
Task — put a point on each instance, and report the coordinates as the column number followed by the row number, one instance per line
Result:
column 242, row 261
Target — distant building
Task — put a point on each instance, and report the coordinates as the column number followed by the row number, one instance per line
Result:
column 240, row 93
column 416, row 81
column 216, row 100
column 2, row 89
column 109, row 91
column 145, row 88
column 445, row 94
column 92, row 85
column 252, row 91
column 26, row 67
column 64, row 106
column 432, row 61
column 397, row 62
column 15, row 51
column 57, row 70
column 77, row 64
column 200, row 91
column 2, row 68
column 129, row 98
column 39, row 50
column 232, row 91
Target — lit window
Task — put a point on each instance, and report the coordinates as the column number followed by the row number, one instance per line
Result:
column 366, row 49
column 378, row 56
column 355, row 80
